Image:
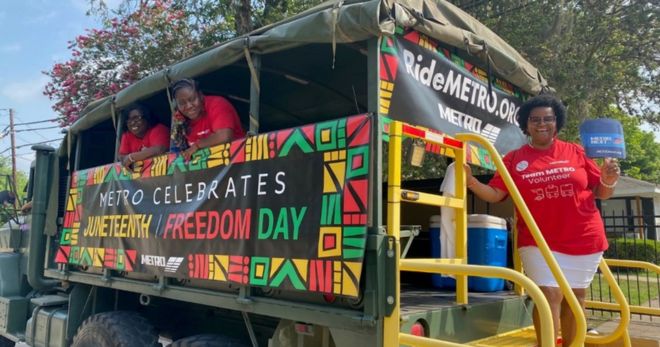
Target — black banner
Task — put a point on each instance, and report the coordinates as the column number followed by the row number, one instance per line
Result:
column 286, row 209
column 421, row 85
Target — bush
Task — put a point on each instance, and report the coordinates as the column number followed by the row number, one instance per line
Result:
column 633, row 249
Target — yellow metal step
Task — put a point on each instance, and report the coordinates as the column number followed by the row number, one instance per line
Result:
column 516, row 338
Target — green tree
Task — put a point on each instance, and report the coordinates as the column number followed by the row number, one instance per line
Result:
column 6, row 184
column 642, row 151
column 594, row 53
column 126, row 49
column 143, row 36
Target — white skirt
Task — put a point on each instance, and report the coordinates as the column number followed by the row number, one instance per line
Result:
column 579, row 270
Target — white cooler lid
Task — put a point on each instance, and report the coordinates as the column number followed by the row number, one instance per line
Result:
column 435, row 221
column 486, row 221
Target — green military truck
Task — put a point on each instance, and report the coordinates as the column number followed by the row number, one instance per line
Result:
column 291, row 236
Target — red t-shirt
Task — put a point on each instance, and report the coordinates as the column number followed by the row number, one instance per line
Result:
column 219, row 114
column 157, row 135
column 557, row 185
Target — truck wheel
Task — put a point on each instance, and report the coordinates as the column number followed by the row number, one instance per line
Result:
column 116, row 329
column 5, row 342
column 209, row 340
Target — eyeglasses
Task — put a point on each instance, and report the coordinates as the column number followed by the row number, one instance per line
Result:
column 136, row 118
column 546, row 119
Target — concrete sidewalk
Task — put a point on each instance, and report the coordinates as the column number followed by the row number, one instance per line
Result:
column 644, row 331
column 642, row 334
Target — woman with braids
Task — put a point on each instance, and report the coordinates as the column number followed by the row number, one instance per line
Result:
column 142, row 138
column 208, row 120
column 559, row 184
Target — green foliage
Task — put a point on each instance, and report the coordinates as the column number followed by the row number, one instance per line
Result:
column 643, row 152
column 141, row 37
column 637, row 289
column 5, row 177
column 594, row 53
column 5, row 184
column 600, row 56
column 633, row 249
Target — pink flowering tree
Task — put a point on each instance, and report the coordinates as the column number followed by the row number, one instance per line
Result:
column 103, row 61
column 141, row 37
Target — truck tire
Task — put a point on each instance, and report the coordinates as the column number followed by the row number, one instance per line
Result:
column 209, row 340
column 116, row 329
column 5, row 342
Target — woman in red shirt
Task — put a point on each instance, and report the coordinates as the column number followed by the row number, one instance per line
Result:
column 209, row 120
column 142, row 138
column 559, row 184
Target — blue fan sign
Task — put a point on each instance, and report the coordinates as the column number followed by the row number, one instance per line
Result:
column 603, row 138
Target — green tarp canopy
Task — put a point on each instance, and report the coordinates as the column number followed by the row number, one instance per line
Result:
column 338, row 22
column 332, row 26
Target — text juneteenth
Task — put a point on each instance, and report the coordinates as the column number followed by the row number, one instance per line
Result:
column 272, row 224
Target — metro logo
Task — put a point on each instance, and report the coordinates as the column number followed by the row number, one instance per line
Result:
column 170, row 265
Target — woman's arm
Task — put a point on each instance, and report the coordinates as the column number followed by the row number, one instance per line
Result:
column 609, row 175
column 128, row 160
column 219, row 136
column 148, row 152
column 483, row 191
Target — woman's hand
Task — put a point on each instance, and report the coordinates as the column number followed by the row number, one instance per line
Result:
column 609, row 172
column 483, row 191
column 469, row 179
column 127, row 161
column 187, row 154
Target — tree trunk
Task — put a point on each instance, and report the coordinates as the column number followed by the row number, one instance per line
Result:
column 274, row 7
column 243, row 19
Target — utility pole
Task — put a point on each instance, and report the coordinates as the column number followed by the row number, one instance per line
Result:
column 13, row 148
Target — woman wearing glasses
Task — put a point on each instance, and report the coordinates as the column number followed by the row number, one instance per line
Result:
column 142, row 138
column 559, row 184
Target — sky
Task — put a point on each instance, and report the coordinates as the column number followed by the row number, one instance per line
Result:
column 33, row 37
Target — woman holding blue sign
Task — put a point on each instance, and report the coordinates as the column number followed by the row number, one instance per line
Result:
column 559, row 184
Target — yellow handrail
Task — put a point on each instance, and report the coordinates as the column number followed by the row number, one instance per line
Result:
column 622, row 304
column 391, row 323
column 429, row 266
column 392, row 335
column 634, row 263
column 622, row 328
column 396, row 195
column 581, row 328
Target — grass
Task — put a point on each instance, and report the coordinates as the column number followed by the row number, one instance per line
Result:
column 638, row 290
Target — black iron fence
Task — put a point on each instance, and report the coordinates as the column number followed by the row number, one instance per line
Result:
column 631, row 237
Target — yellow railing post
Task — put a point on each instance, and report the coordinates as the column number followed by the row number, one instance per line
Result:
column 392, row 323
column 517, row 263
column 461, row 225
column 432, row 266
column 622, row 305
column 621, row 329
column 395, row 195
column 573, row 303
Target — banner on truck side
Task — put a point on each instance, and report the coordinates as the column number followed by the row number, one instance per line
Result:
column 286, row 209
column 424, row 84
